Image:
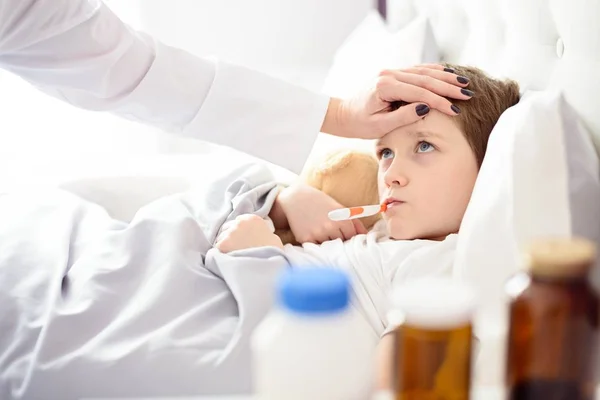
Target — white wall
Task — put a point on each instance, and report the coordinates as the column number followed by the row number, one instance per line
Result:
column 276, row 36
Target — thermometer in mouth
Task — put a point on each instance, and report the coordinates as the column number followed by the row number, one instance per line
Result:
column 343, row 214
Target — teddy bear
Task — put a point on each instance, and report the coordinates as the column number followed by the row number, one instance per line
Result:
column 349, row 177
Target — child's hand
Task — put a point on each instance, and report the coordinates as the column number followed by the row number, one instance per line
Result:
column 306, row 210
column 247, row 231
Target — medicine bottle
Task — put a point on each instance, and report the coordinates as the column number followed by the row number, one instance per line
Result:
column 552, row 347
column 313, row 345
column 433, row 339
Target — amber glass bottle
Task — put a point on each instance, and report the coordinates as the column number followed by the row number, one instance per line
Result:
column 553, row 331
column 433, row 340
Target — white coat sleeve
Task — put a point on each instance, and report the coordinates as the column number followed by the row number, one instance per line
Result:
column 80, row 52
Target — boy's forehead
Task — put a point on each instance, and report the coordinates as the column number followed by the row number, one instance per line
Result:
column 436, row 125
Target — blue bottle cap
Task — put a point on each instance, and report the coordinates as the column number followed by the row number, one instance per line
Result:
column 314, row 290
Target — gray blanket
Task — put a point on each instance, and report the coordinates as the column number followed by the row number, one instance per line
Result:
column 94, row 307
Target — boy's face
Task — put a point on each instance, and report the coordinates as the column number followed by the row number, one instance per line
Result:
column 427, row 170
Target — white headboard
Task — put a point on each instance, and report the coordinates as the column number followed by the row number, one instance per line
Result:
column 539, row 43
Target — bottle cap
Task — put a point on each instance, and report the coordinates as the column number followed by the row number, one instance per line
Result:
column 314, row 290
column 560, row 257
column 433, row 302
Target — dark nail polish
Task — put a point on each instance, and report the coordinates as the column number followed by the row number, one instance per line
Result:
column 451, row 70
column 462, row 79
column 422, row 109
column 466, row 92
column 455, row 109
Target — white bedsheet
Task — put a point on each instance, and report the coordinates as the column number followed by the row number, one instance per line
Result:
column 95, row 307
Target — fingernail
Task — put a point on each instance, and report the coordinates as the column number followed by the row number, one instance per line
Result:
column 466, row 92
column 455, row 109
column 422, row 109
column 451, row 70
column 462, row 79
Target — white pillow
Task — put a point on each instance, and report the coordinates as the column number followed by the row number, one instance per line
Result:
column 539, row 177
column 370, row 48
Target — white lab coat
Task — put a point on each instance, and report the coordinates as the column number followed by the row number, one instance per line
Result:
column 80, row 52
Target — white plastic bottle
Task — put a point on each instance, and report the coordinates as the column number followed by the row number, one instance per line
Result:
column 312, row 346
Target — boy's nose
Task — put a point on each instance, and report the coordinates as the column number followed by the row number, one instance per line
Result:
column 400, row 181
column 395, row 178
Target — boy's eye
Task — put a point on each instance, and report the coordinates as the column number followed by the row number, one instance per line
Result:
column 386, row 153
column 424, row 147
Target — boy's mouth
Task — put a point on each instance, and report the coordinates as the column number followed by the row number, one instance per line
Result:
column 392, row 202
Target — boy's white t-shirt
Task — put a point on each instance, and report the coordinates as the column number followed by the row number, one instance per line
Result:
column 377, row 265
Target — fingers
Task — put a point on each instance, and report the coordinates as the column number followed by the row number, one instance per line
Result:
column 444, row 74
column 439, row 82
column 347, row 229
column 393, row 90
column 438, row 67
column 227, row 236
column 427, row 83
column 224, row 246
column 330, row 232
column 405, row 115
column 248, row 217
column 229, row 228
column 223, row 243
column 359, row 226
column 334, row 236
column 344, row 230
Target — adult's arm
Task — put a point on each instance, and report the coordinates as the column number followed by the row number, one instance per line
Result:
column 79, row 51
